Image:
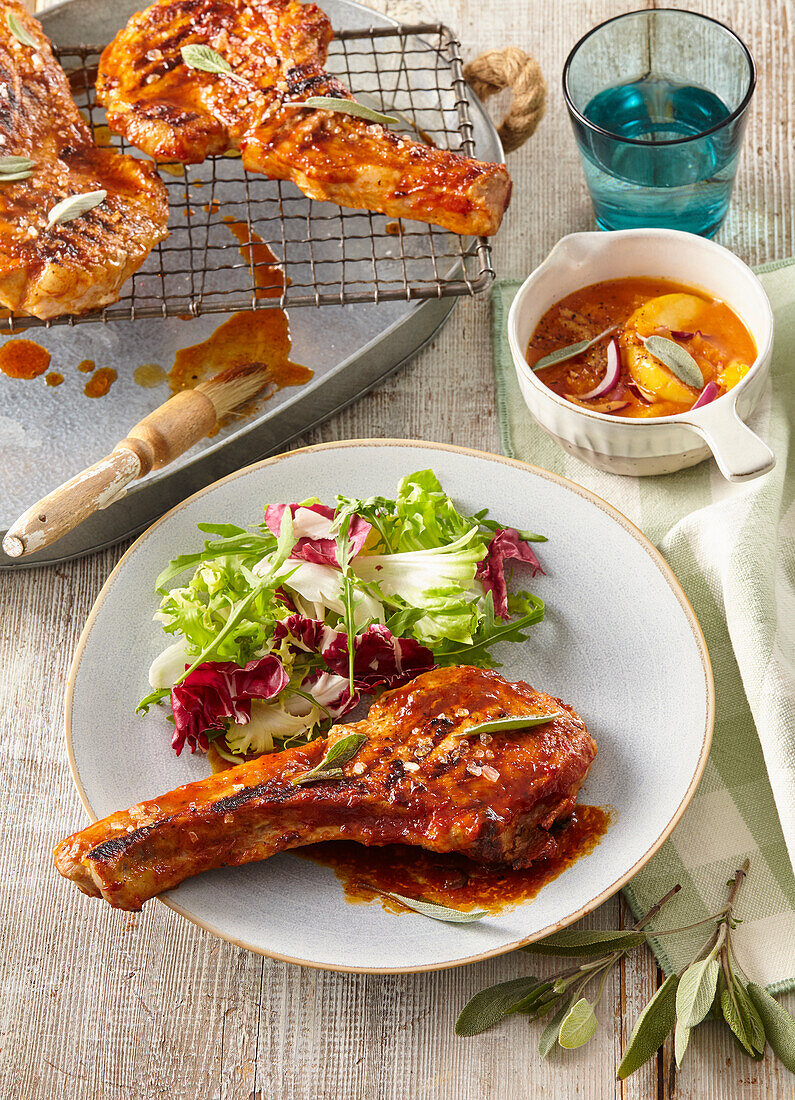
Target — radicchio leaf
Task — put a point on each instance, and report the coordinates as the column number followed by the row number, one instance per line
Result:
column 331, row 691
column 506, row 544
column 380, row 659
column 217, row 691
column 315, row 543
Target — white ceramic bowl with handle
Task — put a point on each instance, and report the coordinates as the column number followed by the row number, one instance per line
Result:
column 653, row 445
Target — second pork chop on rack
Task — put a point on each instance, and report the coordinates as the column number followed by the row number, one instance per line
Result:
column 48, row 269
column 276, row 50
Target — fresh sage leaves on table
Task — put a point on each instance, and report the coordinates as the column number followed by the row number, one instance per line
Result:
column 330, row 767
column 346, row 107
column 514, row 722
column 438, row 912
column 712, row 984
column 779, row 1026
column 22, row 34
column 206, row 60
column 560, row 355
column 74, row 206
column 15, row 168
column 582, row 941
column 578, row 1025
column 651, row 1028
column 675, row 358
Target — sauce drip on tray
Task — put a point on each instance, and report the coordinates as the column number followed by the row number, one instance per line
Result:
column 259, row 336
column 23, row 359
column 454, row 880
column 100, row 382
column 149, row 375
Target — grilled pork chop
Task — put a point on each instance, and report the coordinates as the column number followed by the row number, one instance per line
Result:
column 492, row 798
column 277, row 49
column 81, row 264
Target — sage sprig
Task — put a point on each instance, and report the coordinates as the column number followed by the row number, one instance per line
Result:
column 513, row 722
column 345, row 107
column 22, row 34
column 74, row 206
column 15, row 168
column 207, row 60
column 712, row 984
column 438, row 912
column 675, row 358
column 560, row 355
column 330, row 767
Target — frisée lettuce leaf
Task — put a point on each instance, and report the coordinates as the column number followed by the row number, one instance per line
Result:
column 336, row 603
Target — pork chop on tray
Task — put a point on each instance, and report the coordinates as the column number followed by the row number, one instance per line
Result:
column 417, row 778
column 275, row 51
column 47, row 267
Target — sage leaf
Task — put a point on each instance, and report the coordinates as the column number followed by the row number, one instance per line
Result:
column 74, row 206
column 738, row 1021
column 537, row 999
column 516, row 722
column 560, row 355
column 14, row 165
column 491, row 1005
column 651, row 1028
column 681, row 1039
column 549, row 1036
column 439, row 912
column 578, row 1025
column 675, row 358
column 696, row 991
column 751, row 1018
column 582, row 941
column 346, row 107
column 778, row 1024
column 22, row 34
column 330, row 767
column 9, row 177
column 197, row 56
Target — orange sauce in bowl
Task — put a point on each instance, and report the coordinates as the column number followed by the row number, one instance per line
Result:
column 706, row 327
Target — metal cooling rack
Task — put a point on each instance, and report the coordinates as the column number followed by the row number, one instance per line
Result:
column 331, row 255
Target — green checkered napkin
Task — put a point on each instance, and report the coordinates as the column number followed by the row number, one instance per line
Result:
column 733, row 549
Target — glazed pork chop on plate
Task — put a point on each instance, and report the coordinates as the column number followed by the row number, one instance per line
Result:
column 417, row 779
column 77, row 265
column 275, row 51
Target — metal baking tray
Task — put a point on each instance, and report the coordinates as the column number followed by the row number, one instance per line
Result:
column 49, row 434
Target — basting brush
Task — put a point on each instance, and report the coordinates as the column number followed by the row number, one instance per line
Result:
column 153, row 443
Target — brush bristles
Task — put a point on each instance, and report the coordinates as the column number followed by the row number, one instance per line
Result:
column 235, row 385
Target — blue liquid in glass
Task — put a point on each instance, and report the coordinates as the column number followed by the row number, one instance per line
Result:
column 685, row 186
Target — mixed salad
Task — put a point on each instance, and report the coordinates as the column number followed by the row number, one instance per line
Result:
column 283, row 627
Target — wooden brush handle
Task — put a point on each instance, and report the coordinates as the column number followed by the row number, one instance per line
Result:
column 154, row 442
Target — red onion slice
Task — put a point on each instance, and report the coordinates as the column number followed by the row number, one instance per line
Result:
column 709, row 393
column 612, row 374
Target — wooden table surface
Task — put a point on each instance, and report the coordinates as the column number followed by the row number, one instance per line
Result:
column 103, row 1004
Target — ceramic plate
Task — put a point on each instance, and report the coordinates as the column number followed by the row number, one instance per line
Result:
column 619, row 642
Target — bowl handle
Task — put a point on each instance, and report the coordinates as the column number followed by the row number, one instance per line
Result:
column 739, row 452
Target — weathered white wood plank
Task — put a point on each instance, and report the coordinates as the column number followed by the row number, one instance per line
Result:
column 102, row 1005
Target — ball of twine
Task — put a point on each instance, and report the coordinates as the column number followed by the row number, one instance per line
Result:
column 510, row 68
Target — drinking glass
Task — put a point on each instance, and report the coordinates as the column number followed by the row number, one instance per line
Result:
column 658, row 100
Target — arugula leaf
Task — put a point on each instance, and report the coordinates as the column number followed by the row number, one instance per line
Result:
column 349, row 601
column 491, row 631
